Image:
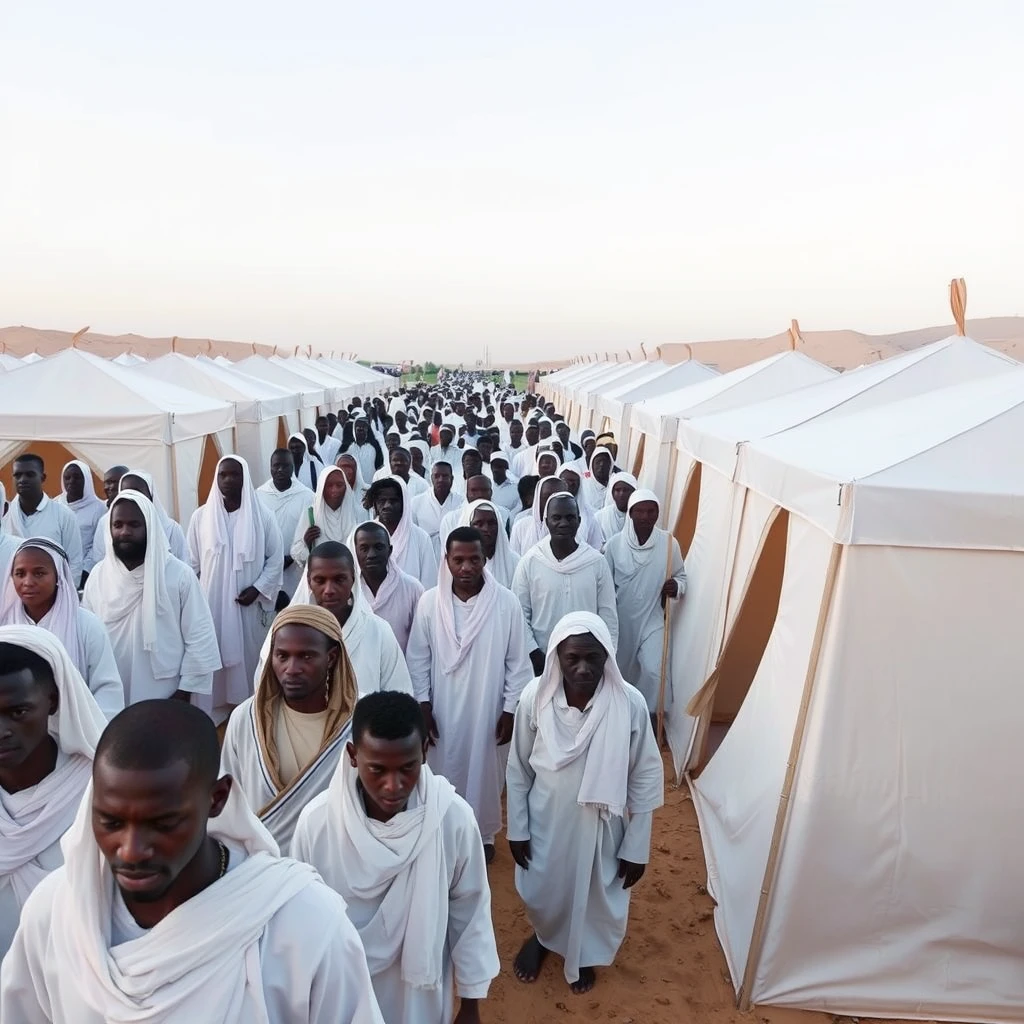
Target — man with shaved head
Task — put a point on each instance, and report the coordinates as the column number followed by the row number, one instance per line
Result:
column 175, row 898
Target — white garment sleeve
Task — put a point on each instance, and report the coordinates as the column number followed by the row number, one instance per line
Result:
column 519, row 775
column 194, row 552
column 270, row 580
column 298, row 550
column 24, row 998
column 470, row 930
column 636, row 843
column 521, row 588
column 606, row 606
column 99, row 541
column 103, row 678
column 71, row 541
column 176, row 542
column 678, row 567
column 518, row 667
column 202, row 652
column 394, row 672
column 418, row 653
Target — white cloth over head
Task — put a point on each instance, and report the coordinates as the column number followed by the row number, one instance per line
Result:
column 503, row 565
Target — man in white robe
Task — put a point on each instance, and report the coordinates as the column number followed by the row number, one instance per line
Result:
column 138, row 480
column 152, row 607
column 33, row 514
column 469, row 660
column 79, row 494
column 306, row 468
column 412, row 550
column 46, row 761
column 647, row 569
column 201, row 922
column 589, row 531
column 612, row 518
column 447, row 450
column 391, row 594
column 282, row 744
column 430, row 508
column 559, row 575
column 402, row 849
column 287, row 500
column 584, row 778
column 485, row 516
column 328, row 446
column 477, row 489
column 361, row 447
column 504, row 486
column 235, row 547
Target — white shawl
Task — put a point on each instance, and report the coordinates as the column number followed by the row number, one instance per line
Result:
column 401, row 860
column 641, row 553
column 400, row 538
column 335, row 524
column 603, row 739
column 76, row 727
column 609, row 518
column 305, row 473
column 503, row 565
column 451, row 648
column 62, row 619
column 529, row 530
column 172, row 531
column 89, row 495
column 217, row 573
column 202, row 961
column 593, row 493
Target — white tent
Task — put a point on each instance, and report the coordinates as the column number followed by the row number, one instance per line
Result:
column 337, row 392
column 715, row 502
column 584, row 396
column 265, row 414
column 32, row 357
column 614, row 407
column 312, row 396
column 371, row 381
column 553, row 387
column 9, row 362
column 128, row 359
column 658, row 418
column 860, row 821
column 78, row 403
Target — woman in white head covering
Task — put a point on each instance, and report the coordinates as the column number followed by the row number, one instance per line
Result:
column 594, row 492
column 79, row 494
column 411, row 549
column 353, row 471
column 335, row 515
column 612, row 518
column 34, row 817
column 584, row 778
column 502, row 563
column 305, row 472
column 40, row 592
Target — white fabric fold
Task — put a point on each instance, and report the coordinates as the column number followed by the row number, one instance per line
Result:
column 503, row 565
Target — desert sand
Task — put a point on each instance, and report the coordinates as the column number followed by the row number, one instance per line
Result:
column 670, row 970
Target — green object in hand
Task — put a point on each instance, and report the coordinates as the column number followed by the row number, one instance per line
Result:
column 309, row 512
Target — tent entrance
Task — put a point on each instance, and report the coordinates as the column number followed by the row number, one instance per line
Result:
column 686, row 521
column 55, row 457
column 638, row 460
column 723, row 694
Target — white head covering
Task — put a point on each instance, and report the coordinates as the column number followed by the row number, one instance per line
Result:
column 361, row 484
column 400, row 538
column 619, row 478
column 335, row 524
column 77, row 727
column 593, row 493
column 503, row 565
column 162, row 517
column 89, row 496
column 536, row 530
column 603, row 738
column 62, row 619
column 545, row 449
column 452, row 648
column 421, row 447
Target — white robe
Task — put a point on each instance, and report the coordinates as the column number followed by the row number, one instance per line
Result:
column 639, row 574
column 611, row 521
column 366, row 456
column 395, row 602
column 507, row 494
column 233, row 684
column 548, row 589
column 573, row 895
column 53, row 520
column 335, row 524
column 468, row 701
column 454, row 519
column 469, row 955
column 428, row 514
column 288, row 508
column 88, row 512
column 102, row 673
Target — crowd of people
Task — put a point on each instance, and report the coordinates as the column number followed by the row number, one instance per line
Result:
column 252, row 769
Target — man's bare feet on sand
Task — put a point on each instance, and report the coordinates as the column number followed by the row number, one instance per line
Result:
column 529, row 960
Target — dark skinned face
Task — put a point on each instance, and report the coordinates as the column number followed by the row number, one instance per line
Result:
column 281, row 469
column 373, row 548
column 348, row 466
column 310, row 436
column 499, row 470
column 229, row 480
column 563, row 519
column 388, row 770
column 515, row 432
column 388, row 506
column 582, row 660
column 73, row 481
column 297, row 448
column 532, row 434
column 620, row 495
column 571, row 481
column 331, row 581
column 334, row 490
column 486, row 522
column 547, row 465
column 130, row 482
column 359, row 431
column 128, row 531
column 601, row 467
column 26, row 704
column 471, row 464
column 400, row 462
column 392, row 441
column 645, row 517
column 111, row 480
column 35, row 581
column 302, row 659
column 466, row 563
column 28, row 480
column 441, row 478
column 478, row 489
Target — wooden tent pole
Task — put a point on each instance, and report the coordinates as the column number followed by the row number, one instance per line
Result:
column 667, row 613
column 795, row 749
column 958, row 300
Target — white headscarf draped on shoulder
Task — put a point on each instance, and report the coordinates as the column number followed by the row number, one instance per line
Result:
column 503, row 565
column 336, row 524
column 89, row 495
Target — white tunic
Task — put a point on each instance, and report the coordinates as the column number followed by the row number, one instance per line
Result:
column 287, row 507
column 469, row 955
column 190, row 623
column 572, row 891
column 54, row 521
column 366, row 455
column 468, row 701
column 548, row 589
column 507, row 494
column 427, row 514
column 418, row 560
column 454, row 519
column 102, row 673
column 395, row 602
column 88, row 512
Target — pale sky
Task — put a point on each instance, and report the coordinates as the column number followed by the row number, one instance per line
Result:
column 425, row 179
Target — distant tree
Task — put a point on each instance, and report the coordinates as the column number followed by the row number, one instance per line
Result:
column 430, row 367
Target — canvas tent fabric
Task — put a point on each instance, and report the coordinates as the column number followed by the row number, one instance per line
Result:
column 860, row 834
column 715, row 441
column 311, row 396
column 107, row 414
column 336, row 392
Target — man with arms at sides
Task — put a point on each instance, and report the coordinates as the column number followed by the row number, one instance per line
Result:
column 471, row 465
column 612, row 518
column 647, row 569
column 485, row 516
column 235, row 547
column 49, row 728
column 153, row 608
column 33, row 514
column 584, row 778
column 447, row 450
column 528, row 531
column 328, row 446
column 40, row 592
column 523, row 460
column 469, row 660
column 391, row 594
column 174, row 903
column 398, row 843
column 330, row 583
column 282, row 744
column 411, row 549
column 358, row 441
column 79, row 494
column 514, row 443
column 503, row 487
column 559, row 575
column 429, row 509
column 571, row 450
column 286, row 499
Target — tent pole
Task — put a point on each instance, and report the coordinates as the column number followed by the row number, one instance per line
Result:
column 761, row 918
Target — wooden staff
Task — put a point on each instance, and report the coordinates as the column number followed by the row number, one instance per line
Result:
column 664, row 647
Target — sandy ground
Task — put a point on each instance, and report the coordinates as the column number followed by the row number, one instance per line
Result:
column 670, row 969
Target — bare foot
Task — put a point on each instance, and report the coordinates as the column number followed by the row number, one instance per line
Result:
column 489, row 852
column 529, row 960
column 586, row 981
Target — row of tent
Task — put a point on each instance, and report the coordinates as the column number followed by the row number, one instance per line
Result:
column 846, row 665
column 174, row 416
